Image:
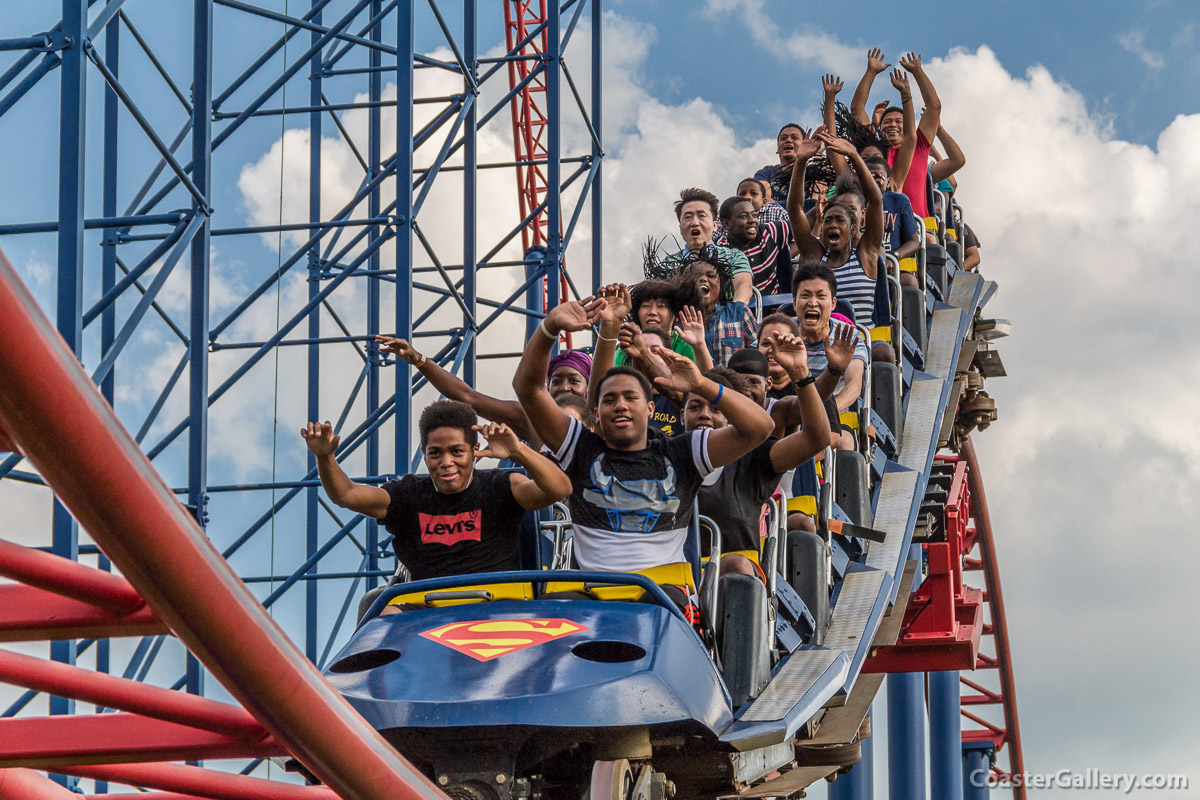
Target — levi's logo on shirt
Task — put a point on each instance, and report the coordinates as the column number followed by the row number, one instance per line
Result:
column 450, row 529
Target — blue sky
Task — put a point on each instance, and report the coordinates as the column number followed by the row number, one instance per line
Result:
column 1140, row 85
column 1079, row 121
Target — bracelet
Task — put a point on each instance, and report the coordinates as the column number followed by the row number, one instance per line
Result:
column 546, row 333
column 806, row 381
column 720, row 391
column 838, row 372
column 420, row 363
column 603, row 338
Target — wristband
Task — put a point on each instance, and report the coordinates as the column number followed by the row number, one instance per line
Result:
column 838, row 372
column 806, row 381
column 546, row 333
column 420, row 363
column 604, row 338
column 720, row 392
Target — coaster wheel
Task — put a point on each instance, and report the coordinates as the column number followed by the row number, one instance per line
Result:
column 611, row 780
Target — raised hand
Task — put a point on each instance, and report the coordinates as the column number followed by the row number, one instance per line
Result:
column 832, row 84
column 839, row 350
column 691, row 326
column 789, row 352
column 810, row 146
column 875, row 62
column 617, row 302
column 877, row 113
column 900, row 81
column 630, row 340
column 320, row 438
column 575, row 315
column 911, row 62
column 399, row 348
column 685, row 375
column 836, row 145
column 501, row 441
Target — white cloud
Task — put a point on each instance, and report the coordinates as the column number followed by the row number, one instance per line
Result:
column 813, row 48
column 1133, row 41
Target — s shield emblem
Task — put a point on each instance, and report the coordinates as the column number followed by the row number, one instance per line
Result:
column 486, row 639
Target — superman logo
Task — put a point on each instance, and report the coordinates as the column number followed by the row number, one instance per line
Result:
column 486, row 639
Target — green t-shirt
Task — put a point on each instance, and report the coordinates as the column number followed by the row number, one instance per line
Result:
column 677, row 344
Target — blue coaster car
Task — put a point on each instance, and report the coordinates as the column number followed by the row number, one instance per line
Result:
column 544, row 684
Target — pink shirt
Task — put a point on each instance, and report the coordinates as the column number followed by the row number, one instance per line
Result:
column 918, row 174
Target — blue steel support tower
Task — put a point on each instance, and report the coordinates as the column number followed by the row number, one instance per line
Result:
column 208, row 325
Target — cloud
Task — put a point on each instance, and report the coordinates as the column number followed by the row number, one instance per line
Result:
column 1089, row 466
column 1133, row 41
column 809, row 47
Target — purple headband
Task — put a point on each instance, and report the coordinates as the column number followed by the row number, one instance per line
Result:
column 573, row 359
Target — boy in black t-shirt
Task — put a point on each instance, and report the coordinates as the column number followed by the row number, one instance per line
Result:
column 455, row 520
column 733, row 497
column 632, row 494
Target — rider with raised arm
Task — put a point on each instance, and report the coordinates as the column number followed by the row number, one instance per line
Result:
column 853, row 258
column 457, row 519
column 894, row 124
column 735, row 497
column 632, row 494
column 567, row 373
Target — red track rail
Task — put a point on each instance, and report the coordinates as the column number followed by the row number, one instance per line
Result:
column 1007, row 738
column 529, row 120
column 173, row 576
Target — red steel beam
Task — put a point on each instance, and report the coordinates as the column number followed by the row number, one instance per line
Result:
column 31, row 614
column 51, row 408
column 25, row 784
column 47, row 742
column 991, row 571
column 112, row 691
column 68, row 578
column 198, row 782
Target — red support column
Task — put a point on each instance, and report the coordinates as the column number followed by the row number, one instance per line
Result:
column 31, row 614
column 48, row 742
column 25, row 784
column 199, row 782
column 68, row 578
column 112, row 691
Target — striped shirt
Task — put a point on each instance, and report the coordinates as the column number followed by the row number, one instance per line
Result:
column 856, row 288
column 767, row 253
column 817, row 362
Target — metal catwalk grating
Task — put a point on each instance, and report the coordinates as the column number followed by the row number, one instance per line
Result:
column 891, row 517
column 794, row 679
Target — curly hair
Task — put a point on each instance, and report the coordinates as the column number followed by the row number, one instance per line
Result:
column 448, row 414
column 657, row 266
column 655, row 289
column 856, row 133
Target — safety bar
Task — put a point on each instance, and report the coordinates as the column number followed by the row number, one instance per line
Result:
column 537, row 577
column 758, row 304
column 711, row 587
column 893, row 276
column 921, row 261
column 562, row 545
column 865, row 399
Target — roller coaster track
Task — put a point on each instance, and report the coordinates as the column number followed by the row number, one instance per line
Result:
column 526, row 21
column 175, row 582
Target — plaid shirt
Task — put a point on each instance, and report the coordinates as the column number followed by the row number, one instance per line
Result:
column 732, row 327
